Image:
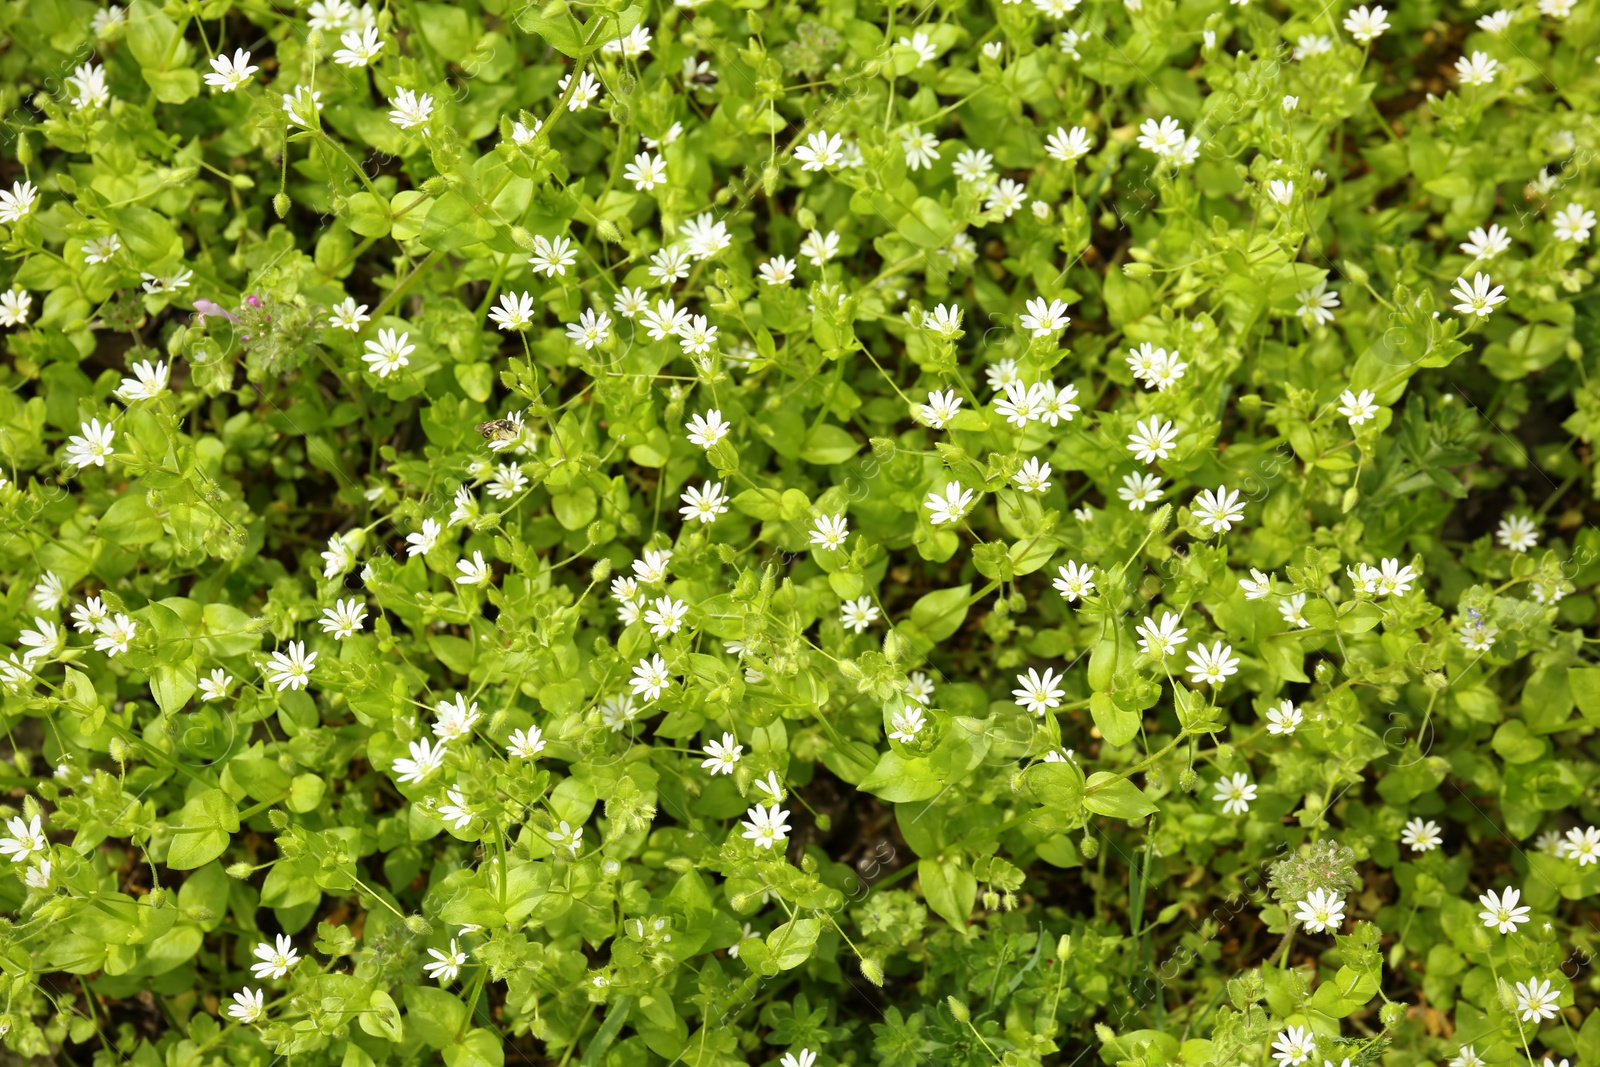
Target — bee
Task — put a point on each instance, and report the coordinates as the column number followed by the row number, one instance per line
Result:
column 498, row 429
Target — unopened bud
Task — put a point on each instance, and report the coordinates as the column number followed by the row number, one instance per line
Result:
column 600, row 571
column 419, row 925
column 1159, row 521
column 1089, row 847
column 608, row 232
column 278, row 819
column 1392, row 1015
column 240, row 871
column 991, row 900
column 280, row 204
column 958, row 1009
column 872, row 972
column 1188, row 779
column 158, row 897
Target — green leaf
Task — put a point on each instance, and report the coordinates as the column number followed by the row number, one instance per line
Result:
column 950, row 890
column 938, row 615
column 201, row 833
column 791, row 943
column 899, row 779
column 1106, row 794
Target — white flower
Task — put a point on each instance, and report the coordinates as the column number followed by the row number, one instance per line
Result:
column 779, row 270
column 408, row 108
column 147, row 383
column 706, row 430
column 1280, row 192
column 360, row 47
column 1571, row 223
column 722, row 755
column 951, row 506
column 1321, row 910
column 635, row 44
column 348, row 315
column 228, row 74
column 973, row 165
column 1057, row 405
column 1140, row 490
column 155, row 285
column 666, row 319
column 472, row 572
column 292, row 671
column 388, row 353
column 421, row 541
column 1294, row 1046
column 1045, row 319
column 108, row 20
column 821, row 151
column 1153, row 439
column 1517, row 532
column 1478, row 298
column 1497, row 24
column 704, row 236
column 819, row 248
column 1367, row 26
column 666, row 616
column 91, row 445
column 1037, row 692
column 1022, row 404
column 923, row 46
column 41, row 641
column 652, row 567
column 344, row 618
column 587, row 91
column 705, row 503
column 856, row 615
column 940, row 408
column 1218, row 511
column 445, row 965
column 1212, row 665
column 921, row 149
column 1034, row 477
column 215, row 685
column 907, row 724
column 89, row 84
column 1421, row 836
column 1486, row 244
column 1582, row 845
column 25, row 839
column 592, row 328
column 646, row 171
column 919, row 688
column 668, row 265
column 1501, row 911
column 1290, row 608
column 650, row 677
column 1358, row 408
column 1074, row 580
column 1317, row 304
column 51, row 591
column 1480, row 69
column 248, row 1005
column 1393, row 579
column 275, row 960
column 1165, row 138
column 525, row 745
column 1257, row 586
column 1236, row 793
column 830, row 531
column 807, row 1058
column 18, row 203
column 101, row 249
column 1068, row 146
column 1284, row 718
column 87, row 616
column 514, row 312
column 15, row 306
column 425, row 758
column 114, row 635
column 1163, row 638
column 508, row 481
column 630, row 302
column 1005, row 198
column 1537, row 999
column 1289, row 104
column 552, row 257
column 1556, row 9
column 455, row 810
column 454, row 719
column 766, row 826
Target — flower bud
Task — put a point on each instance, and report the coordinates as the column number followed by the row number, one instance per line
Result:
column 958, row 1009
column 280, row 204
column 1392, row 1015
column 240, row 871
column 419, row 925
column 872, row 971
column 600, row 571
column 1089, row 847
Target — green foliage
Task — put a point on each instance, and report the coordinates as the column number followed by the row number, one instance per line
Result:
column 629, row 534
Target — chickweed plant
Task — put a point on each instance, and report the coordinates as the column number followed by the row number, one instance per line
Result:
column 626, row 533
